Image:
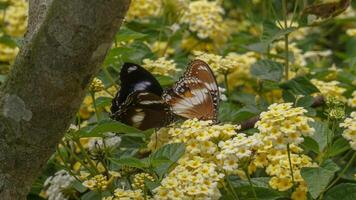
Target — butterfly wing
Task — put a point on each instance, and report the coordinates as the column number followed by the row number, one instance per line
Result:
column 139, row 102
column 143, row 110
column 196, row 94
column 133, row 78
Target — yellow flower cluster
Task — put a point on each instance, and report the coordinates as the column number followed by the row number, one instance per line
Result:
column 193, row 178
column 233, row 63
column 238, row 149
column 330, row 89
column 279, row 169
column 161, row 48
column 96, row 85
column 15, row 17
column 7, row 53
column 161, row 66
column 351, row 32
column 139, row 180
column 140, row 9
column 205, row 18
column 350, row 129
column 121, row 194
column 197, row 171
column 282, row 124
column 98, row 182
column 352, row 100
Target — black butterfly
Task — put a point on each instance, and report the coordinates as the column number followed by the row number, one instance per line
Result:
column 142, row 103
column 139, row 102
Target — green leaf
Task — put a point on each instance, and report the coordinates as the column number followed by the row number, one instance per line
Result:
column 130, row 162
column 91, row 195
column 170, row 151
column 125, row 34
column 267, row 70
column 288, row 96
column 163, row 158
column 339, row 146
column 79, row 186
column 305, row 101
column 245, row 98
column 246, row 193
column 246, row 112
column 261, row 186
column 344, row 191
column 103, row 102
column 165, row 81
column 4, row 5
column 321, row 134
column 300, row 86
column 272, row 32
column 112, row 126
column 317, row 178
column 8, row 41
column 311, row 144
column 227, row 111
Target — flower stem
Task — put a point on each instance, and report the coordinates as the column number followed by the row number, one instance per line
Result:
column 343, row 171
column 92, row 94
column 290, row 164
column 227, row 86
column 234, row 195
column 250, row 182
column 286, row 48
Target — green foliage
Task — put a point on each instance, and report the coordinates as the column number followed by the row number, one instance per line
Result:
column 344, row 191
column 317, row 178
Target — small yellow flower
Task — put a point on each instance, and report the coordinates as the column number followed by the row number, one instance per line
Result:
column 161, row 66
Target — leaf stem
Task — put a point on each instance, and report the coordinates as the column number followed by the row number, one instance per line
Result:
column 290, row 164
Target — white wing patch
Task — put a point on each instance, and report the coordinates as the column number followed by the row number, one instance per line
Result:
column 137, row 119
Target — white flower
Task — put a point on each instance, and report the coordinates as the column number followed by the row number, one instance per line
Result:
column 56, row 184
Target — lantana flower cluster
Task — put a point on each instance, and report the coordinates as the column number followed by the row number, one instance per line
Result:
column 352, row 101
column 279, row 169
column 205, row 18
column 140, row 9
column 282, row 124
column 197, row 173
column 193, row 178
column 14, row 19
column 139, row 180
column 97, row 182
column 56, row 184
column 330, row 89
column 120, row 194
column 161, row 66
column 236, row 65
column 239, row 149
column 350, row 129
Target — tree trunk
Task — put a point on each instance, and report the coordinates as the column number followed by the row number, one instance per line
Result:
column 63, row 49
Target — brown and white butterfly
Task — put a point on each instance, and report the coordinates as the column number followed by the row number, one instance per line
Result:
column 196, row 94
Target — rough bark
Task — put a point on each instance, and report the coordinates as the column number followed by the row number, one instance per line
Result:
column 66, row 43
